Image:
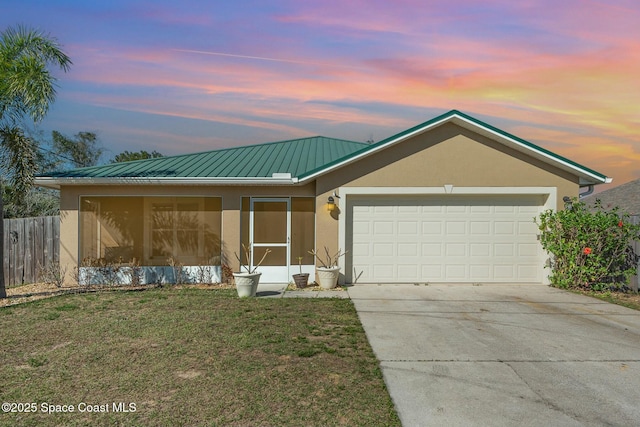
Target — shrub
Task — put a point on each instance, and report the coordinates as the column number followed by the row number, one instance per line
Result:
column 590, row 249
column 52, row 273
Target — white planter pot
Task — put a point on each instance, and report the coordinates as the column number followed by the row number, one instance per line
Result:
column 327, row 278
column 246, row 283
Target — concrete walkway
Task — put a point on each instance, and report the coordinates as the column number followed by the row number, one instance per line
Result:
column 503, row 355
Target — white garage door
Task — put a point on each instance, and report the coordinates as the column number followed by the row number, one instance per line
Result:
column 445, row 239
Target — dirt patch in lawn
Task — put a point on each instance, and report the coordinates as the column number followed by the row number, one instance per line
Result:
column 35, row 291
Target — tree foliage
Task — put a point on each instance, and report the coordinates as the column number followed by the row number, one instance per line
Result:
column 80, row 151
column 590, row 249
column 36, row 202
column 19, row 158
column 27, row 89
column 127, row 156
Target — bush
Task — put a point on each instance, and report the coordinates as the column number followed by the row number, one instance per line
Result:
column 52, row 274
column 590, row 249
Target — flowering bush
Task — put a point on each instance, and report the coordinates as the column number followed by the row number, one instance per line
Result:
column 590, row 249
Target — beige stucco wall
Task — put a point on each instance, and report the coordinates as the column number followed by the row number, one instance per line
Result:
column 446, row 155
column 231, row 199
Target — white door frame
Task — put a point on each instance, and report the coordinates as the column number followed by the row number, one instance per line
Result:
column 271, row 274
column 550, row 202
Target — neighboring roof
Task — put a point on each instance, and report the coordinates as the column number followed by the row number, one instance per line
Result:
column 290, row 162
column 625, row 196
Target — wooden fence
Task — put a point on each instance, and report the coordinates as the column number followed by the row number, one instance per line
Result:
column 29, row 243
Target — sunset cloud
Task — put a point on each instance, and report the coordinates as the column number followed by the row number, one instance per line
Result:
column 560, row 74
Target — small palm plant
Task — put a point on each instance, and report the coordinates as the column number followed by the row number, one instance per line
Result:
column 328, row 261
column 247, row 254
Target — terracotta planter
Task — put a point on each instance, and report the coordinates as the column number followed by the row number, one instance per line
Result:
column 301, row 280
column 247, row 283
column 327, row 278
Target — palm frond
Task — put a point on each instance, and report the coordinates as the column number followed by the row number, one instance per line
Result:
column 26, row 84
column 20, row 155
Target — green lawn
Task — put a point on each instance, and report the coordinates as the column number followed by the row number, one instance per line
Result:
column 190, row 357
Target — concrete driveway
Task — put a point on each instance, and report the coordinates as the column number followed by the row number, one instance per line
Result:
column 503, row 355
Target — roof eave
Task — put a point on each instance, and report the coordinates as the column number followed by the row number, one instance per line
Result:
column 56, row 183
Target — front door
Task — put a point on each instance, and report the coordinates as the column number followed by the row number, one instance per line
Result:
column 270, row 221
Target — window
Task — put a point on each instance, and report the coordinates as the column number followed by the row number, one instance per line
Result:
column 151, row 229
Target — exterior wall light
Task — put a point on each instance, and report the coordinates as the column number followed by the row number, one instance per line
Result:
column 331, row 204
column 568, row 204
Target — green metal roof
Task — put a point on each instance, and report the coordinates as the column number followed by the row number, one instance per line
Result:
column 291, row 161
column 295, row 157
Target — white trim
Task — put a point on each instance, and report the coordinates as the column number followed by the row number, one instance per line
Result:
column 271, row 274
column 345, row 192
column 55, row 183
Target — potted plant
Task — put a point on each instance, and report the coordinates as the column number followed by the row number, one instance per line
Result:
column 301, row 279
column 327, row 272
column 247, row 281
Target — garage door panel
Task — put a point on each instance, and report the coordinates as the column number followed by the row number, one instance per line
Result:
column 408, row 272
column 435, row 271
column 480, row 272
column 503, row 250
column 527, row 249
column 456, row 227
column 455, row 272
column 408, row 250
column 384, row 271
column 471, row 239
column 529, row 272
column 384, row 250
column 383, row 227
column 410, row 210
column 505, row 272
column 432, row 228
column 455, row 249
column 431, row 249
column 504, row 227
column 480, row 249
column 527, row 228
column 432, row 208
column 361, row 227
column 480, row 228
column 408, row 227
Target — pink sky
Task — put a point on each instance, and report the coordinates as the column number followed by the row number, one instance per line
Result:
column 192, row 76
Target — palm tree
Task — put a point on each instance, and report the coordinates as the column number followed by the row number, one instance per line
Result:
column 27, row 89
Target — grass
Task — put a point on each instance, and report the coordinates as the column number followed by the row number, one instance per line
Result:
column 190, row 357
column 626, row 299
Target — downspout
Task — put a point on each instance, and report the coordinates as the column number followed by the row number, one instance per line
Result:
column 586, row 193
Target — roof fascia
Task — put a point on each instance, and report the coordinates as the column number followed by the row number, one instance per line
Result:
column 55, row 183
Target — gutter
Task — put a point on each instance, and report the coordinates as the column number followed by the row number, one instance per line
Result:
column 589, row 191
column 275, row 179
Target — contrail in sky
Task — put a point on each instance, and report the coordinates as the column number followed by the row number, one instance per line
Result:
column 262, row 58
